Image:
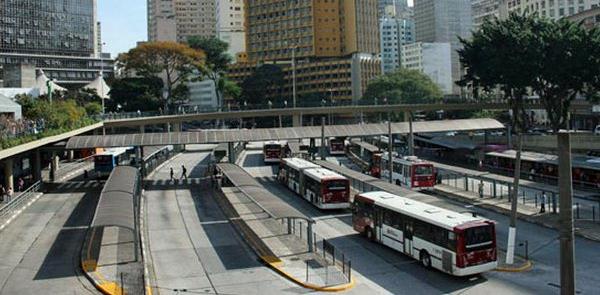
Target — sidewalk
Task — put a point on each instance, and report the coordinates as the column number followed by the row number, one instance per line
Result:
column 286, row 253
column 584, row 228
column 108, row 260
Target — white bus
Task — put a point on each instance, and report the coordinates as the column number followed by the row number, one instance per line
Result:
column 454, row 243
column 409, row 172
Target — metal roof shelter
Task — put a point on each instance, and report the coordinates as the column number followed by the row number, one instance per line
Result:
column 365, row 145
column 272, row 204
column 219, row 136
column 117, row 203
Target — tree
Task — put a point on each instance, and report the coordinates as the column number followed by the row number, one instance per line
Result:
column 265, row 82
column 231, row 90
column 568, row 66
column 217, row 61
column 174, row 61
column 133, row 94
column 402, row 87
column 503, row 54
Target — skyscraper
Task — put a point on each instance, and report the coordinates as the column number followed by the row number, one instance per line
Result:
column 401, row 8
column 176, row 20
column 488, row 9
column 443, row 22
column 395, row 32
column 230, row 25
column 58, row 36
column 553, row 9
column 334, row 45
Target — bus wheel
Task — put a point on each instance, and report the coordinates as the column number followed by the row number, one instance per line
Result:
column 425, row 259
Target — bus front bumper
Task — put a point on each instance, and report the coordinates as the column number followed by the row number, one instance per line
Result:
column 475, row 269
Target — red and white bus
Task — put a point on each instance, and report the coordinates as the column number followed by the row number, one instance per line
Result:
column 273, row 151
column 337, row 146
column 322, row 187
column 454, row 243
column 409, row 172
column 367, row 156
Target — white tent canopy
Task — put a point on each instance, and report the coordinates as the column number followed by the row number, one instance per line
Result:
column 100, row 86
column 9, row 107
column 40, row 83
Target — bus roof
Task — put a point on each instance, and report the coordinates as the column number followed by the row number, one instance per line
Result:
column 578, row 161
column 297, row 163
column 406, row 159
column 419, row 210
column 273, row 142
column 322, row 174
column 114, row 151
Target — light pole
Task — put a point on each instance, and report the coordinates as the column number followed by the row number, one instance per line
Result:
column 102, row 79
column 49, row 85
column 294, row 77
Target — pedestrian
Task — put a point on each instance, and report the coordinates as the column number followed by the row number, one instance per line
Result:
column 543, row 202
column 9, row 194
column 183, row 172
column 481, row 188
column 172, row 174
column 2, row 193
column 86, row 175
column 21, row 184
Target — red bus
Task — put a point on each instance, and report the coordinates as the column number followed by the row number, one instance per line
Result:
column 409, row 172
column 324, row 188
column 367, row 156
column 273, row 152
column 451, row 242
column 337, row 146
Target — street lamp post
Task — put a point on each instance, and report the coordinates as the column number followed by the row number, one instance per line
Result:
column 102, row 80
column 294, row 77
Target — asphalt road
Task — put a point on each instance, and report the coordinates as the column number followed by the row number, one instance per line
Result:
column 39, row 250
column 192, row 244
column 382, row 270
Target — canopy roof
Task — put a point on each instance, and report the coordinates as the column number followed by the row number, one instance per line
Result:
column 100, row 86
column 40, row 83
column 116, row 204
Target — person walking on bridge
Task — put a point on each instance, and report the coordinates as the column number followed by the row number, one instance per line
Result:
column 183, row 172
column 543, row 202
column 172, row 174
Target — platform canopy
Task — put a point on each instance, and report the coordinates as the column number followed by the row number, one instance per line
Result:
column 267, row 134
column 116, row 206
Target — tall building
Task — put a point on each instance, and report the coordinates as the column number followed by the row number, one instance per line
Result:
column 554, row 9
column 589, row 18
column 443, row 22
column 230, row 25
column 57, row 36
column 431, row 59
column 334, row 44
column 394, row 32
column 488, row 9
column 401, row 8
column 176, row 20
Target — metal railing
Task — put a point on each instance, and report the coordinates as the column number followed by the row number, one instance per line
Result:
column 69, row 167
column 17, row 203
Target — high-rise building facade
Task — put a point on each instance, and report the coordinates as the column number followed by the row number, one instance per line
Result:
column 554, row 9
column 230, row 25
column 334, row 44
column 395, row 32
column 443, row 22
column 401, row 8
column 488, row 9
column 177, row 20
column 431, row 59
column 57, row 36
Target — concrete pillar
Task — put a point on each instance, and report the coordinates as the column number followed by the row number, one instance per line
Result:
column 309, row 235
column 390, row 150
column 37, row 165
column 297, row 120
column 142, row 129
column 230, row 153
column 8, row 173
column 411, row 137
column 323, row 138
column 53, row 166
column 71, row 155
column 567, row 231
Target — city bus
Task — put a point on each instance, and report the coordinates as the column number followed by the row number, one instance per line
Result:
column 451, row 242
column 367, row 156
column 337, row 146
column 273, row 152
column 106, row 161
column 323, row 188
column 409, row 172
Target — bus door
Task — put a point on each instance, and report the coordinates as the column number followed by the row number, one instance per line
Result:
column 378, row 214
column 408, row 236
column 406, row 175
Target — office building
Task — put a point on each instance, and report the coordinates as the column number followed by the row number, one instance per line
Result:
column 57, row 36
column 488, row 9
column 554, row 9
column 589, row 18
column 202, row 95
column 177, row 20
column 394, row 32
column 400, row 7
column 230, row 25
column 443, row 22
column 432, row 59
column 334, row 44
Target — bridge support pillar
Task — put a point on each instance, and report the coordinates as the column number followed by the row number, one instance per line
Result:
column 8, row 174
column 230, row 153
column 142, row 129
column 411, row 138
column 297, row 120
column 309, row 235
column 37, row 165
column 323, row 138
column 53, row 166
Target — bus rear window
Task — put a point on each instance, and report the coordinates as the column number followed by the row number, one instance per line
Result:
column 336, row 185
column 423, row 170
column 478, row 238
column 103, row 159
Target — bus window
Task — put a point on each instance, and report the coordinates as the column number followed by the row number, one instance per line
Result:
column 478, row 238
column 336, row 185
column 423, row 170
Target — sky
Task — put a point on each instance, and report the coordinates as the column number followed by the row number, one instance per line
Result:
column 123, row 24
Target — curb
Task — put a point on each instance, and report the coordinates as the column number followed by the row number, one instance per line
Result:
column 277, row 267
column 88, row 267
column 528, row 265
column 503, row 211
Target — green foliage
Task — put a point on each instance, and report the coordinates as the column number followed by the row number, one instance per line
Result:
column 265, row 81
column 133, row 94
column 402, row 87
column 215, row 49
column 231, row 89
column 93, row 108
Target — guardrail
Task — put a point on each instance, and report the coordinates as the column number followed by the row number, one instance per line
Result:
column 17, row 203
column 69, row 167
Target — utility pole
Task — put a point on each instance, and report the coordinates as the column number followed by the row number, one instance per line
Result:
column 102, row 79
column 294, row 77
column 567, row 238
column 514, row 194
column 411, row 137
column 390, row 149
column 323, row 138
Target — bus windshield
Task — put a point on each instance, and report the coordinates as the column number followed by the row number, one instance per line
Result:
column 480, row 237
column 423, row 170
column 336, row 185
